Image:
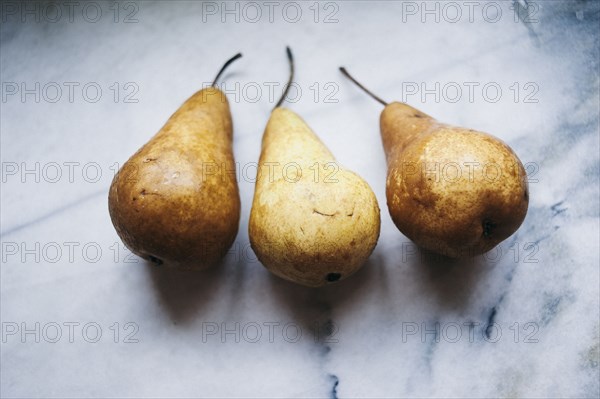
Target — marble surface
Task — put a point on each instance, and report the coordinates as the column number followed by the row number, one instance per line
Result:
column 522, row 321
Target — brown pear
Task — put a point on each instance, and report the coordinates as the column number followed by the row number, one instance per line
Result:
column 454, row 191
column 176, row 200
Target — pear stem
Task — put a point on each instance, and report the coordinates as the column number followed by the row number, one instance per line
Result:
column 229, row 61
column 289, row 82
column 345, row 72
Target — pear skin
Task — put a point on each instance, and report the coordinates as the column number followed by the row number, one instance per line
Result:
column 312, row 222
column 176, row 200
column 451, row 190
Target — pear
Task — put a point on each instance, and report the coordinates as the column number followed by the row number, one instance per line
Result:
column 451, row 190
column 312, row 222
column 176, row 201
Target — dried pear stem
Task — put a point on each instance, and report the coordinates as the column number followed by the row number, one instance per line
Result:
column 289, row 83
column 229, row 61
column 345, row 72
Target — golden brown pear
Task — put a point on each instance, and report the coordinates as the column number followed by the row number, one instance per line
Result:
column 176, row 200
column 451, row 190
column 312, row 222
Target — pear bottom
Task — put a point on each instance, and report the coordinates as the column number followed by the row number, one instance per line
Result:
column 315, row 233
column 173, row 225
column 457, row 192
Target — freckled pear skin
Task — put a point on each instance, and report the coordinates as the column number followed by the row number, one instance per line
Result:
column 454, row 191
column 451, row 190
column 310, row 225
column 176, row 201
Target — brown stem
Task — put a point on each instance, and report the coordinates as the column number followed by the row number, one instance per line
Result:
column 289, row 83
column 345, row 72
column 229, row 61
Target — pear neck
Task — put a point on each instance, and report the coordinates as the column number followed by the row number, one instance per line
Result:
column 400, row 125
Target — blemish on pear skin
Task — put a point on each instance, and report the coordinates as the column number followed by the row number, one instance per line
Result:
column 488, row 227
column 324, row 214
column 155, row 260
column 144, row 193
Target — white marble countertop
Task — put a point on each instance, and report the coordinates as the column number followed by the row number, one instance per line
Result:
column 82, row 317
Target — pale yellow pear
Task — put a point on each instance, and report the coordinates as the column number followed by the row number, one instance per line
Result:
column 312, row 221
